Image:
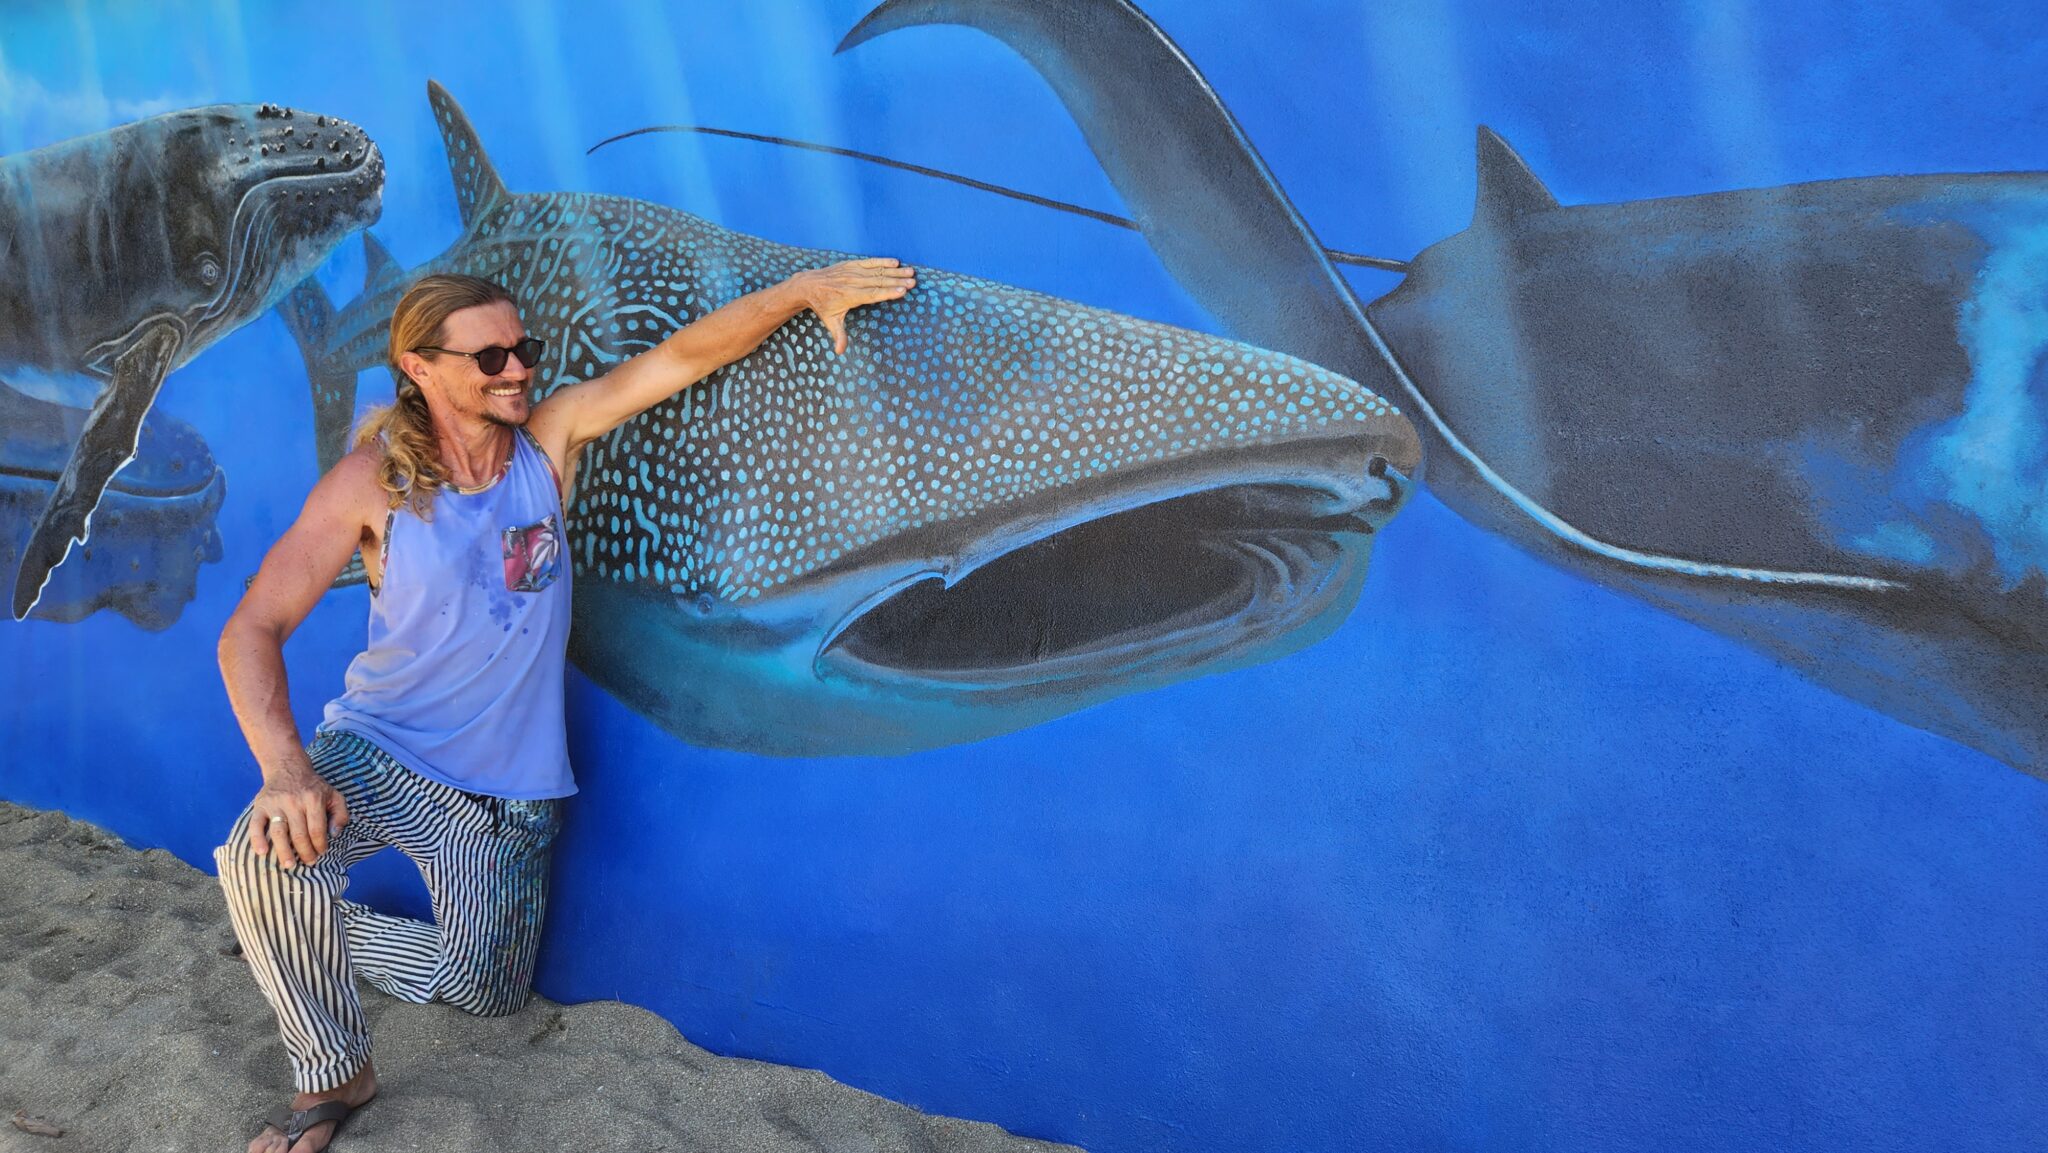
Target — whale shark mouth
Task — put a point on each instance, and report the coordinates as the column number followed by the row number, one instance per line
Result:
column 1165, row 586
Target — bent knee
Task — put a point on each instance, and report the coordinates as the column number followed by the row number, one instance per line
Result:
column 234, row 857
column 483, row 998
column 242, row 869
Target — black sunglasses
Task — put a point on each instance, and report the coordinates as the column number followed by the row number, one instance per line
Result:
column 492, row 360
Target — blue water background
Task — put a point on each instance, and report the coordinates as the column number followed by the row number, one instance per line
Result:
column 1508, row 862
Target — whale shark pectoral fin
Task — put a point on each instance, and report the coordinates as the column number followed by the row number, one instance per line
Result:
column 1508, row 189
column 380, row 270
column 105, row 444
column 1199, row 191
column 478, row 188
column 354, row 574
column 309, row 316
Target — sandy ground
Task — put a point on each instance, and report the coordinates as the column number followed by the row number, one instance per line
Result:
column 122, row 1022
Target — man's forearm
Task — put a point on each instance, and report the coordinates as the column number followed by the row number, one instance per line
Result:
column 731, row 331
column 252, row 667
column 719, row 338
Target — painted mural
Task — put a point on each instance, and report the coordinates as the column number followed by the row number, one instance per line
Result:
column 1166, row 691
column 995, row 508
column 126, row 254
column 1812, row 417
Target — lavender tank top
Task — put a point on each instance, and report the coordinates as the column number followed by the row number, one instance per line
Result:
column 462, row 679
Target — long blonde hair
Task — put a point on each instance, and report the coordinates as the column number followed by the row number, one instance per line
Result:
column 411, row 469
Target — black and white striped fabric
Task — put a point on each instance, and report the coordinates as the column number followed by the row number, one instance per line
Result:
column 485, row 862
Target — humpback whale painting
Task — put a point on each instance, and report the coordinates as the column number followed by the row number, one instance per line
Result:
column 1813, row 417
column 997, row 507
column 123, row 255
column 154, row 528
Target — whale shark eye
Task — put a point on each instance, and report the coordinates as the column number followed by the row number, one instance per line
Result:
column 209, row 269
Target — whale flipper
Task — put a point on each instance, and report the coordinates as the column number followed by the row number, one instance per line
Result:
column 1198, row 189
column 478, row 188
column 106, row 443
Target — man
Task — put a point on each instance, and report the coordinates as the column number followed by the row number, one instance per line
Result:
column 448, row 742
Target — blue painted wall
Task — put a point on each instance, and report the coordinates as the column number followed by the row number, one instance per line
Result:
column 1510, row 861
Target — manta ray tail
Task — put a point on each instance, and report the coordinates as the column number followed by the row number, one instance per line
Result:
column 477, row 186
column 1110, row 218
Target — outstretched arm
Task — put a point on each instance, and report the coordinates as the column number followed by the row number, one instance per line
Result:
column 580, row 413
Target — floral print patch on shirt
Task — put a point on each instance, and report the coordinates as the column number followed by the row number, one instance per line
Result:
column 533, row 555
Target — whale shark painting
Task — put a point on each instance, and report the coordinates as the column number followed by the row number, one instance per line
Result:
column 123, row 255
column 1813, row 418
column 997, row 507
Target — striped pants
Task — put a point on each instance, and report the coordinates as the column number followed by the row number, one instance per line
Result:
column 485, row 862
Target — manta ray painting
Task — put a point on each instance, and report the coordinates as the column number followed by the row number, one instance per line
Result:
column 1813, row 418
column 123, row 255
column 995, row 508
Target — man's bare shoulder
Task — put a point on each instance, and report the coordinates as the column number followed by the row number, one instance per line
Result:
column 352, row 488
column 556, row 414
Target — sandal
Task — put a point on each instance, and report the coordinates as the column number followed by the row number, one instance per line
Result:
column 293, row 1123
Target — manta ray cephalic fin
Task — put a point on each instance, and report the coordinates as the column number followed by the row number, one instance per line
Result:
column 105, row 444
column 478, row 188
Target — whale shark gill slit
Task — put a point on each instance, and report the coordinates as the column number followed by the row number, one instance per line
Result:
column 1557, row 525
